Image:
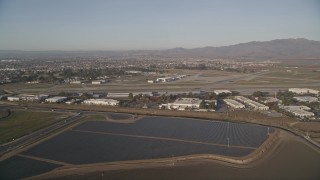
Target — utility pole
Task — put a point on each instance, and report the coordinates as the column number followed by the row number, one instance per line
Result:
column 172, row 160
column 228, row 142
column 228, row 134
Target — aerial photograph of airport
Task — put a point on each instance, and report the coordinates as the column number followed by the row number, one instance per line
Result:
column 159, row 89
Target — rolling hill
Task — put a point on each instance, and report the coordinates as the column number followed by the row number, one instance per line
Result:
column 275, row 49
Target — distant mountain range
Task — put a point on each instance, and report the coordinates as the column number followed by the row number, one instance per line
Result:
column 280, row 48
column 276, row 49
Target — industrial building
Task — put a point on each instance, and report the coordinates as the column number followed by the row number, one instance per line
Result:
column 109, row 102
column 234, row 104
column 41, row 97
column 28, row 97
column 271, row 100
column 72, row 101
column 142, row 93
column 75, row 82
column 164, row 79
column 117, row 95
column 13, row 98
column 168, row 78
column 134, row 72
column 306, row 99
column 184, row 103
column 249, row 102
column 304, row 91
column 56, row 99
column 222, row 91
column 300, row 111
column 97, row 82
column 181, row 76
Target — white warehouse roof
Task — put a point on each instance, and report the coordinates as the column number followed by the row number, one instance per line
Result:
column 251, row 103
column 306, row 99
column 101, row 102
column 217, row 92
column 234, row 104
column 304, row 91
column 299, row 111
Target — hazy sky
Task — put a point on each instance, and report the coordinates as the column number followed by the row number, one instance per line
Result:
column 152, row 24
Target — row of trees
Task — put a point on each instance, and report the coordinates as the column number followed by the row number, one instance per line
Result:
column 91, row 73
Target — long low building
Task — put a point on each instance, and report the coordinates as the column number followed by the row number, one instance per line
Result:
column 234, row 104
column 271, row 100
column 56, row 99
column 109, row 102
column 300, row 111
column 304, row 91
column 29, row 97
column 222, row 91
column 117, row 95
column 143, row 93
column 12, row 98
column 164, row 79
column 249, row 102
column 184, row 103
column 306, row 99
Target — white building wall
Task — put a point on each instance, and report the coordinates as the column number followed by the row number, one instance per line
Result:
column 304, row 91
column 96, row 82
column 13, row 99
column 56, row 99
column 109, row 102
column 183, row 103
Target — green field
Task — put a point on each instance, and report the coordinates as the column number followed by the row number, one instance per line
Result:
column 301, row 74
column 20, row 123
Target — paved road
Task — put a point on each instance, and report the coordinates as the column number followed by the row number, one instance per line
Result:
column 18, row 143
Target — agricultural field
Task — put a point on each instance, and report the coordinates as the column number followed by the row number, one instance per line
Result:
column 286, row 76
column 20, row 123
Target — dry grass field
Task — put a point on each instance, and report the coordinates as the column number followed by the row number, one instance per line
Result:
column 20, row 123
column 276, row 78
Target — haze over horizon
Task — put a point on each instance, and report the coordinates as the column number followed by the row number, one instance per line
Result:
column 134, row 25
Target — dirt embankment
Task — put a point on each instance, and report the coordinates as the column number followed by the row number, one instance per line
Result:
column 237, row 116
column 240, row 162
column 242, row 116
column 4, row 113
